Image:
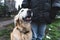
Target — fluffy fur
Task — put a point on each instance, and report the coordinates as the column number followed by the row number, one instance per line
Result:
column 22, row 30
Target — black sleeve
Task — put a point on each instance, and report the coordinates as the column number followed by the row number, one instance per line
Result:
column 26, row 4
column 55, row 8
column 56, row 4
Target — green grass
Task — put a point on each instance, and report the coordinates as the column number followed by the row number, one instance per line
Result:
column 54, row 33
column 5, row 33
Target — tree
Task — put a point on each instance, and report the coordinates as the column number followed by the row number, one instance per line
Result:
column 3, row 10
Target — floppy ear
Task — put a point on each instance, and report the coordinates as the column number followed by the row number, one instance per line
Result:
column 17, row 22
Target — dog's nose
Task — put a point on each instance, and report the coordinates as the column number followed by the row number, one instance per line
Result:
column 28, row 15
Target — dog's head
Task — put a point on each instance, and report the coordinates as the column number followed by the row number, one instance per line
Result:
column 25, row 14
column 23, row 19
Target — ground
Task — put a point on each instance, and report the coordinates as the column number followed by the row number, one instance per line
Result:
column 7, row 22
column 5, row 30
column 6, row 25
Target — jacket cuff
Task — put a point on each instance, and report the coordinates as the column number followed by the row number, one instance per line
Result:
column 24, row 6
column 56, row 5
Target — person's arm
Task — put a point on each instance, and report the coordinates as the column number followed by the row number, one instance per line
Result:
column 56, row 4
column 26, row 4
column 55, row 8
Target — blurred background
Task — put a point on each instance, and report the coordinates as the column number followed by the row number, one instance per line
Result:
column 9, row 8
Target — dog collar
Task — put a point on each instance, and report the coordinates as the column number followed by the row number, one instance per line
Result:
column 22, row 31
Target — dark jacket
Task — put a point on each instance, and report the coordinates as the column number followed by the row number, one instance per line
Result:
column 43, row 10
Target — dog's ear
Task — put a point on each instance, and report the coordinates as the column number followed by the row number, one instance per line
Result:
column 18, row 22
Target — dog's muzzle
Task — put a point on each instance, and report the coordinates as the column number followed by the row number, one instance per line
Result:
column 27, row 19
column 28, row 16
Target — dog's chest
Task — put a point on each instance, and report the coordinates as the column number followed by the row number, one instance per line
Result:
column 20, row 36
column 16, row 35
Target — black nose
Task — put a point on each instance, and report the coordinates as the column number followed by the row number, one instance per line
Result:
column 28, row 16
column 28, row 13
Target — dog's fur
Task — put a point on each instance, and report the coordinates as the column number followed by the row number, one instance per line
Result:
column 22, row 30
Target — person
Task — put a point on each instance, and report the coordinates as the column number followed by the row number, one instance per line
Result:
column 44, row 11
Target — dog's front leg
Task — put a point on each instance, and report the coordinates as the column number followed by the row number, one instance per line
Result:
column 11, row 36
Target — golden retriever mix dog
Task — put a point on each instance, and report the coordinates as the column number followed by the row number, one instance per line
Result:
column 22, row 30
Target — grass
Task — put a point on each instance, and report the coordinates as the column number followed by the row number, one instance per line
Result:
column 54, row 33
column 5, row 33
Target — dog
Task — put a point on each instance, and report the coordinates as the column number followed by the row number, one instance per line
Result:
column 22, row 30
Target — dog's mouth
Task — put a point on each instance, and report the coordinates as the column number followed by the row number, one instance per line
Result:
column 27, row 19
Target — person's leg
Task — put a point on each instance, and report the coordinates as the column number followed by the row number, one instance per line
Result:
column 41, row 31
column 34, row 31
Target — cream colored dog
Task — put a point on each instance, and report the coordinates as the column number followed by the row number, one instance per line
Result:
column 22, row 30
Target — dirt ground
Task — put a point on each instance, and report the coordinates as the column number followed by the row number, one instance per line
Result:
column 5, row 32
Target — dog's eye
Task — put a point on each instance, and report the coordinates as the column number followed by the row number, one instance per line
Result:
column 22, row 10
